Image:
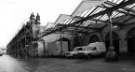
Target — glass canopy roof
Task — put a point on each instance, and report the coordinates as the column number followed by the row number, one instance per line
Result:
column 93, row 14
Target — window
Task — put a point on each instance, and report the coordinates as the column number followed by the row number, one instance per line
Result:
column 79, row 49
column 94, row 48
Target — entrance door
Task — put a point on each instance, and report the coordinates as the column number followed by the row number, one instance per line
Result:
column 66, row 42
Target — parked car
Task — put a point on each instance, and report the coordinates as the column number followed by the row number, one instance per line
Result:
column 92, row 49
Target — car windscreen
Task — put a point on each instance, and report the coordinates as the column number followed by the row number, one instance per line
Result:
column 79, row 49
column 94, row 48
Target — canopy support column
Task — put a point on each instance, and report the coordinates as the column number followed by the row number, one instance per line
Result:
column 111, row 54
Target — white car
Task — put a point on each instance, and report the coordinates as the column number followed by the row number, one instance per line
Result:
column 92, row 49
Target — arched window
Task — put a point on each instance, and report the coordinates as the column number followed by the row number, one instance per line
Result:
column 131, row 33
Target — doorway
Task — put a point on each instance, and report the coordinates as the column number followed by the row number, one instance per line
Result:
column 65, row 42
column 131, row 41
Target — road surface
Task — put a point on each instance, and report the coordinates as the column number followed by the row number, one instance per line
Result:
column 10, row 64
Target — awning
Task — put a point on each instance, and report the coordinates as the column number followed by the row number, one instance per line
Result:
column 94, row 18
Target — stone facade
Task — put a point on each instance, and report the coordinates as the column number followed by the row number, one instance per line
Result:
column 122, row 34
column 55, row 41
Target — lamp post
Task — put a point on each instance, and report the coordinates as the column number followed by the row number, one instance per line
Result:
column 111, row 55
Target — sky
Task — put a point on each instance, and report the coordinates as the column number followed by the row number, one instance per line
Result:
column 14, row 13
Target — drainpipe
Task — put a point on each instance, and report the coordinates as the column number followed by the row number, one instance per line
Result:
column 61, row 43
column 111, row 54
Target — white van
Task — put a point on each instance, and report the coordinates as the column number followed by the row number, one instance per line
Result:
column 94, row 49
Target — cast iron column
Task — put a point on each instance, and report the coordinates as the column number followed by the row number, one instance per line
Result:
column 111, row 55
column 61, row 43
